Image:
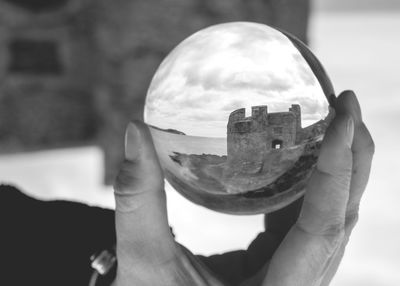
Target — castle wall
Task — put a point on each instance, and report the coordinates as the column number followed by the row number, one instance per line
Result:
column 46, row 77
column 282, row 126
column 247, row 146
column 248, row 137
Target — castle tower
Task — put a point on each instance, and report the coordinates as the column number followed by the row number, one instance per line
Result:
column 259, row 114
column 297, row 112
column 235, row 116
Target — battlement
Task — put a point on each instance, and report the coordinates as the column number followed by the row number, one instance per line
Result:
column 237, row 115
column 259, row 111
column 260, row 119
column 240, row 114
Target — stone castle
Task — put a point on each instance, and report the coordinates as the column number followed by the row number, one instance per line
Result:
column 262, row 131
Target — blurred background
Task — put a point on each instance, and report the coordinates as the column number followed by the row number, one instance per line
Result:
column 74, row 72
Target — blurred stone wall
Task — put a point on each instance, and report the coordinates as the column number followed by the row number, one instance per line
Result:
column 47, row 75
column 108, row 52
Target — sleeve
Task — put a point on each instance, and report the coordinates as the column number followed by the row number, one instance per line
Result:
column 236, row 266
column 50, row 242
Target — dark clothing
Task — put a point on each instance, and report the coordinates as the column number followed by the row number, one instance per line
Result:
column 50, row 243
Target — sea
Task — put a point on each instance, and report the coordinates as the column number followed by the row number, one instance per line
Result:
column 360, row 51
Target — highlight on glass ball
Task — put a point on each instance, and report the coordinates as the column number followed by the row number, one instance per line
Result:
column 237, row 113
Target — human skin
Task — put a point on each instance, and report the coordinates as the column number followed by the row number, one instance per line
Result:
column 309, row 254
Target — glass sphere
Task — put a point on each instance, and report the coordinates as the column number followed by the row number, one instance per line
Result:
column 237, row 112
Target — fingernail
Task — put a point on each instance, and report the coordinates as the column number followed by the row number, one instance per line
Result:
column 350, row 131
column 132, row 142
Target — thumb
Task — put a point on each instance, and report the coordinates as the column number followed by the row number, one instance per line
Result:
column 140, row 174
column 143, row 234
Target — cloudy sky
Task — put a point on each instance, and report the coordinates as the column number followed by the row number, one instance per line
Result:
column 226, row 67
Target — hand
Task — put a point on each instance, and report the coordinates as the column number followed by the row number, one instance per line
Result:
column 309, row 254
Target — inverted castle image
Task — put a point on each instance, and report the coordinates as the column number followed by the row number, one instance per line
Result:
column 262, row 132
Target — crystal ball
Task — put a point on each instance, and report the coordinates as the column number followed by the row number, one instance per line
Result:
column 237, row 113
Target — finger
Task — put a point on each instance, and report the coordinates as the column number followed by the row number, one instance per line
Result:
column 363, row 148
column 310, row 244
column 143, row 234
column 327, row 192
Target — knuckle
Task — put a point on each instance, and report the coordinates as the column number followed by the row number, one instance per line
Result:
column 321, row 222
column 351, row 218
column 119, row 185
column 335, row 229
column 336, row 179
column 125, row 178
column 333, row 233
column 338, row 237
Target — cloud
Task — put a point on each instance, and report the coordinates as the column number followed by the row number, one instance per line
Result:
column 233, row 105
column 220, row 79
column 226, row 67
column 304, row 71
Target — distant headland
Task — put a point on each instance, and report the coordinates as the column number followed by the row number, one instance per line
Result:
column 169, row 130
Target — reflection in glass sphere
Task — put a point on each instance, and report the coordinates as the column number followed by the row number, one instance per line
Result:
column 237, row 113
